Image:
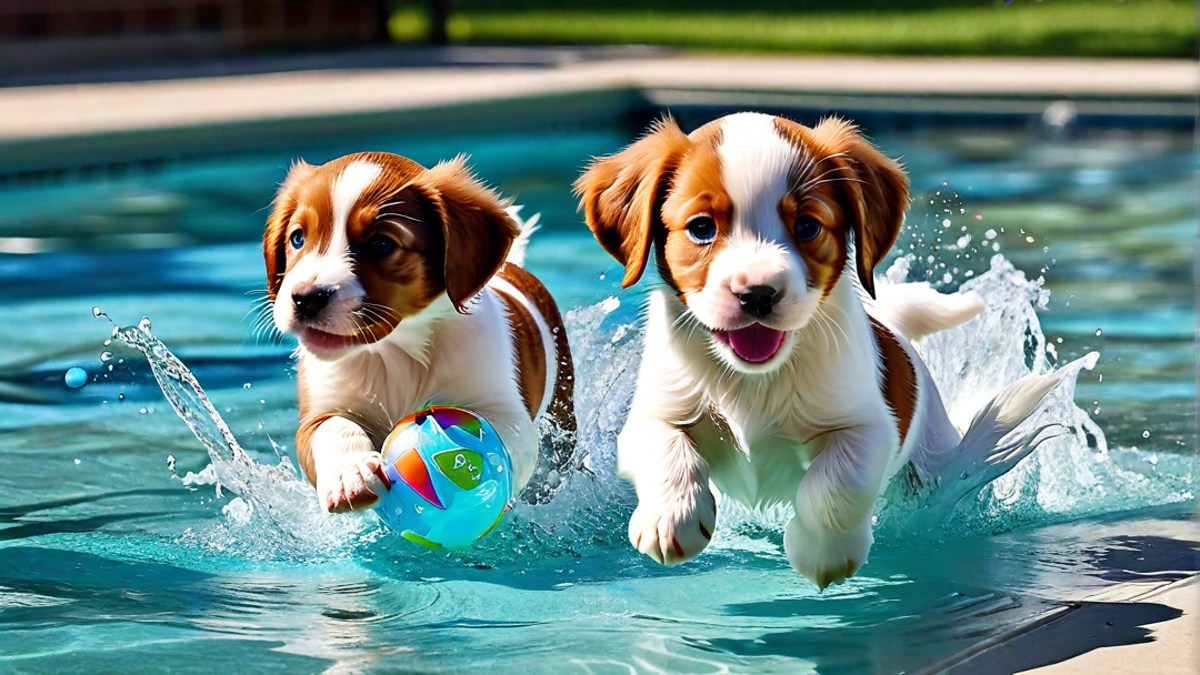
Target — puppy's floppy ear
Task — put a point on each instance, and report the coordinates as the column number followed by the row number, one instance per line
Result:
column 878, row 192
column 621, row 195
column 275, row 236
column 476, row 230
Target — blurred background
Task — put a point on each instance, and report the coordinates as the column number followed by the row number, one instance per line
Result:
column 50, row 36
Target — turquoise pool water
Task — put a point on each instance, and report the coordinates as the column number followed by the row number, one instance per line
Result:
column 118, row 552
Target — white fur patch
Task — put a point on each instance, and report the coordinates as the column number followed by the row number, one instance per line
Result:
column 348, row 187
column 756, row 165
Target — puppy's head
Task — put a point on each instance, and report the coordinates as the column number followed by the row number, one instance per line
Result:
column 363, row 245
column 751, row 218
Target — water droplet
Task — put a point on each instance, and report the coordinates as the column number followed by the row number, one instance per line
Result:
column 1100, row 378
column 171, row 463
column 120, row 397
column 107, row 342
column 246, row 386
column 77, row 461
column 142, row 411
column 946, row 223
column 1146, row 434
column 75, row 377
column 106, row 356
column 1099, row 332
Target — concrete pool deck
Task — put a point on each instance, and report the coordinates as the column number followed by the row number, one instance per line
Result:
column 473, row 75
column 72, row 112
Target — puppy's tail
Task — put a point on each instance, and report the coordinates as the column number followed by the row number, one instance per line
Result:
column 516, row 254
column 916, row 309
column 989, row 449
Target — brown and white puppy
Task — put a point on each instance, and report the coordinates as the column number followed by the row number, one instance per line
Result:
column 762, row 369
column 394, row 279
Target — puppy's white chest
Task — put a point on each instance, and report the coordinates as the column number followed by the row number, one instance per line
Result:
column 756, row 461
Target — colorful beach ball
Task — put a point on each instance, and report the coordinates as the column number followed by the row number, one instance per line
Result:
column 450, row 476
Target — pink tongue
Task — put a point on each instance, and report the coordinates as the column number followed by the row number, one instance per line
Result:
column 755, row 343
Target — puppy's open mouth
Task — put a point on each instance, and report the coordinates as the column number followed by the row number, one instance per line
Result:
column 755, row 343
column 319, row 339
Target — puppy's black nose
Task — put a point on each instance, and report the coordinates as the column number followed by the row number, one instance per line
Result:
column 758, row 301
column 310, row 300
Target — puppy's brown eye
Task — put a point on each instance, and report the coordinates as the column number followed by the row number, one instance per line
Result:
column 806, row 228
column 381, row 246
column 701, row 228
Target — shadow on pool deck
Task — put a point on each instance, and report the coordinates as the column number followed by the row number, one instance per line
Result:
column 1094, row 625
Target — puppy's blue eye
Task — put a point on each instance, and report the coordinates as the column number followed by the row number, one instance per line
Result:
column 701, row 228
column 381, row 245
column 297, row 239
column 806, row 228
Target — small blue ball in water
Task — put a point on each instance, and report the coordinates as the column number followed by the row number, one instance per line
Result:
column 76, row 377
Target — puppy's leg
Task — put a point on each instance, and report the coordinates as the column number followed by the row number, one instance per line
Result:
column 342, row 462
column 830, row 535
column 676, row 512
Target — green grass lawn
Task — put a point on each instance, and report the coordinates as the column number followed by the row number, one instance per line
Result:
column 1125, row 28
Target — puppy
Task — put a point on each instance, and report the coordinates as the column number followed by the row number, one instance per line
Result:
column 393, row 278
column 762, row 370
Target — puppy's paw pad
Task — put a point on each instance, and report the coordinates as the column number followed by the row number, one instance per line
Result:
column 674, row 529
column 826, row 556
column 355, row 485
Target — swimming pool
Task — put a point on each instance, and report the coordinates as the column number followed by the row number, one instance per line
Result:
column 117, row 551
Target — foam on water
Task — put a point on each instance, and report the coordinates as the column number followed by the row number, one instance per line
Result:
column 275, row 513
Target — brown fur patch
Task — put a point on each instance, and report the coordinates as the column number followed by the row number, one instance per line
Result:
column 562, row 403
column 872, row 187
column 622, row 194
column 528, row 352
column 899, row 381
column 696, row 188
column 476, row 230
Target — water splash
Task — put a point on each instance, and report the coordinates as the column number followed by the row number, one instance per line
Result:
column 1072, row 473
column 276, row 513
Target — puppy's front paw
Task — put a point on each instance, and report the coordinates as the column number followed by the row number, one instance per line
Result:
column 676, row 525
column 356, row 484
column 826, row 556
